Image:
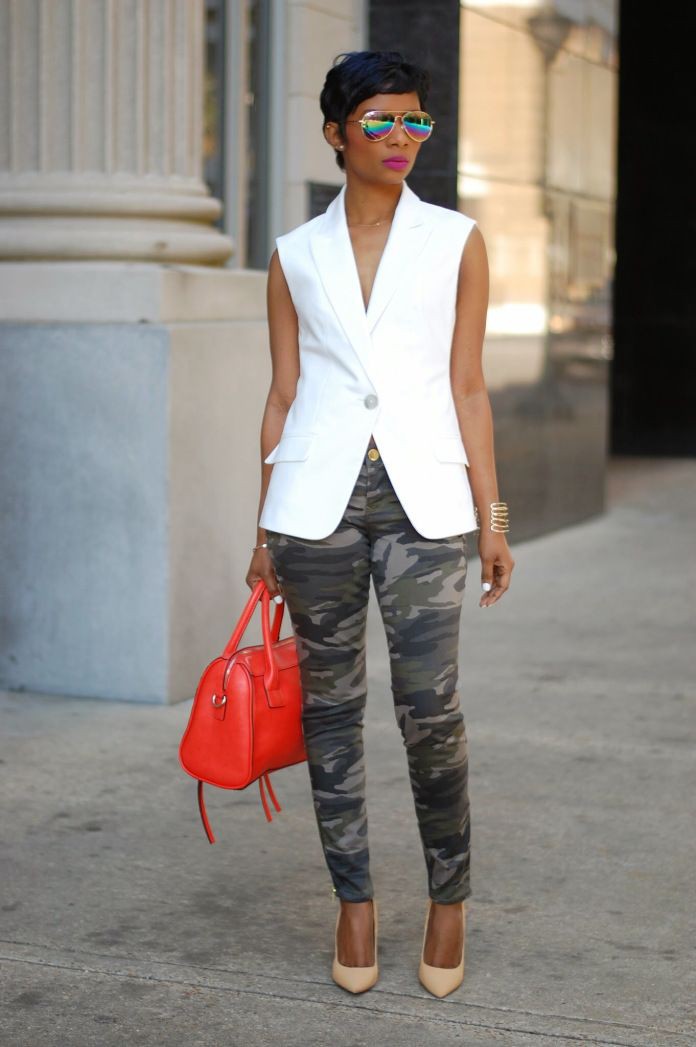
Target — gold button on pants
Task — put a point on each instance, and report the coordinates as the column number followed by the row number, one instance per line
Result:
column 373, row 454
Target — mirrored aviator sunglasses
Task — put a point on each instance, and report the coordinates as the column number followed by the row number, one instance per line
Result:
column 377, row 124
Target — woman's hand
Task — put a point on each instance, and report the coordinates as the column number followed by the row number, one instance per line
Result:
column 261, row 566
column 496, row 565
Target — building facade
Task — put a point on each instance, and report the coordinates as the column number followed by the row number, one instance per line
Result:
column 149, row 155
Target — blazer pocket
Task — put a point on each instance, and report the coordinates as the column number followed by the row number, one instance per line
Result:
column 291, row 449
column 450, row 449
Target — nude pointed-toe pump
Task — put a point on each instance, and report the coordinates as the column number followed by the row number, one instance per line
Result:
column 356, row 979
column 441, row 980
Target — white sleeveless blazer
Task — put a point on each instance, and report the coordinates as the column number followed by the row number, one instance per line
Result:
column 384, row 370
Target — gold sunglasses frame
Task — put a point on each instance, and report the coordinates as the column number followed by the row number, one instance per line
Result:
column 399, row 114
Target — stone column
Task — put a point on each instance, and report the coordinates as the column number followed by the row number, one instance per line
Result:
column 133, row 364
column 101, row 107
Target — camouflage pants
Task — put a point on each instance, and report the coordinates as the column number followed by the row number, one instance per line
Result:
column 419, row 584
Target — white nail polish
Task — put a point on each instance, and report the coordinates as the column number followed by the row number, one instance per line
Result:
column 277, row 598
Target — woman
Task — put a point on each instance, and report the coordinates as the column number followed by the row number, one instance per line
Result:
column 377, row 405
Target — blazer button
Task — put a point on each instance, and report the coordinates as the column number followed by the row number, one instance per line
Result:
column 370, row 400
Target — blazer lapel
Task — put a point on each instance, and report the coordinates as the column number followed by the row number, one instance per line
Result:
column 334, row 258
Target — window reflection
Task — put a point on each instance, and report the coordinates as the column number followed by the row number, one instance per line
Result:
column 536, row 169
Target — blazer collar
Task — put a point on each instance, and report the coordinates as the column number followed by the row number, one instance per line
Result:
column 334, row 258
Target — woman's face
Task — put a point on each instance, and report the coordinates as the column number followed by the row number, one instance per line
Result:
column 368, row 159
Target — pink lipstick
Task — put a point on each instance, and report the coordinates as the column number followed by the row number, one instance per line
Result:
column 397, row 163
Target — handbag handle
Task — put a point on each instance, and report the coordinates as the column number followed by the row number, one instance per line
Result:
column 247, row 612
column 271, row 676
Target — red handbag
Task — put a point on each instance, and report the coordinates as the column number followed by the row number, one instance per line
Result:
column 246, row 715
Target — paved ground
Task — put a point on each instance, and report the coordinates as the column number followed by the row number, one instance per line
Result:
column 122, row 926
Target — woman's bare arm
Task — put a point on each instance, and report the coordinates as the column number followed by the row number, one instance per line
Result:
column 285, row 362
column 474, row 410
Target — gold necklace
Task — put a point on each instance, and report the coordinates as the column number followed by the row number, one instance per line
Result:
column 389, row 219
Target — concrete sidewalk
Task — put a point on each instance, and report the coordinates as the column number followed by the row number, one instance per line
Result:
column 122, row 926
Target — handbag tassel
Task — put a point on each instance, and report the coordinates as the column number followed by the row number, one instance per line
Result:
column 204, row 815
column 264, row 801
column 269, row 816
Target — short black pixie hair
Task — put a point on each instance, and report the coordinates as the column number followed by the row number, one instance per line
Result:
column 362, row 74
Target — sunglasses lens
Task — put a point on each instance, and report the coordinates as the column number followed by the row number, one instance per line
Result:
column 378, row 126
column 418, row 125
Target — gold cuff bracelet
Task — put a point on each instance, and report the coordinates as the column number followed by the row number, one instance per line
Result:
column 500, row 519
